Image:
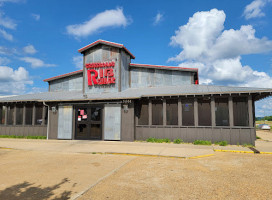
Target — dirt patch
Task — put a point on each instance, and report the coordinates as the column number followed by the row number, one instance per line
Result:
column 224, row 176
column 265, row 135
column 51, row 175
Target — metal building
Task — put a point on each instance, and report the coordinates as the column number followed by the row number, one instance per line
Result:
column 114, row 99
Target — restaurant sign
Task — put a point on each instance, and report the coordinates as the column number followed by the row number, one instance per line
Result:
column 100, row 73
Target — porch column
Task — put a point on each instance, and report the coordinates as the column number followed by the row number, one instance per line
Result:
column 196, row 111
column 230, row 112
column 250, row 111
column 6, row 116
column 14, row 115
column 179, row 112
column 213, row 111
column 164, row 112
column 33, row 114
column 150, row 112
column 43, row 115
column 24, row 114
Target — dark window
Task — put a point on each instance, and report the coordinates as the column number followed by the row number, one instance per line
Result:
column 204, row 112
column 19, row 114
column 3, row 110
column 38, row 116
column 221, row 112
column 143, row 112
column 29, row 114
column 240, row 111
column 10, row 115
column 188, row 112
column 172, row 111
column 157, row 112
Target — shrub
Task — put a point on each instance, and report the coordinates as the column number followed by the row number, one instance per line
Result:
column 150, row 139
column 222, row 143
column 202, row 142
column 257, row 137
column 155, row 140
column 178, row 141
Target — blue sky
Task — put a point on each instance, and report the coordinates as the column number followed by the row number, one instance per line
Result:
column 229, row 41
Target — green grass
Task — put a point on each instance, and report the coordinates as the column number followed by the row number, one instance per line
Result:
column 155, row 140
column 178, row 141
column 257, row 137
column 23, row 137
column 247, row 145
column 202, row 142
column 222, row 143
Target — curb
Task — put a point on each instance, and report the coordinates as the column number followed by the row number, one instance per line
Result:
column 202, row 156
column 265, row 152
column 233, row 151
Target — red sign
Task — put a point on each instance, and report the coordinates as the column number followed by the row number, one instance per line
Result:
column 100, row 76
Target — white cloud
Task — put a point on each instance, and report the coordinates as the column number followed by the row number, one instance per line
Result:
column 36, row 63
column 264, row 107
column 108, row 18
column 6, row 35
column 8, row 51
column 36, row 16
column 217, row 52
column 4, row 60
column 13, row 81
column 10, row 1
column 158, row 18
column 7, row 22
column 29, row 49
column 254, row 9
column 78, row 61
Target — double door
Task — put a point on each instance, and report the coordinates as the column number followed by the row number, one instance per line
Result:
column 89, row 122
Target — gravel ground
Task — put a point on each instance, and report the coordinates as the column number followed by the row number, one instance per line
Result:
column 223, row 176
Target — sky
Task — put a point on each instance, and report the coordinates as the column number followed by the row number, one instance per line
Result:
column 229, row 41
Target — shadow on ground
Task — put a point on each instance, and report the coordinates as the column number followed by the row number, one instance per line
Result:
column 26, row 190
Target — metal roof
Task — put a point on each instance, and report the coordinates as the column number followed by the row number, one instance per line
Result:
column 163, row 67
column 135, row 93
column 63, row 75
column 106, row 43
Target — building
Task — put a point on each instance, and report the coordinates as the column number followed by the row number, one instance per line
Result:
column 114, row 99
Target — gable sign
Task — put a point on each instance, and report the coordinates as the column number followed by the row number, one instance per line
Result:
column 100, row 73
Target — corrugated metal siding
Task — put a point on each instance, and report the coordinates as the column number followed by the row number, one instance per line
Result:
column 112, row 122
column 65, row 122
column 141, row 77
column 71, row 83
column 125, row 60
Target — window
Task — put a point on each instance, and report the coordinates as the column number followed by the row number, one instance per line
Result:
column 38, row 116
column 10, row 115
column 188, row 112
column 221, row 112
column 3, row 110
column 240, row 111
column 172, row 112
column 29, row 114
column 143, row 112
column 157, row 112
column 19, row 114
column 204, row 112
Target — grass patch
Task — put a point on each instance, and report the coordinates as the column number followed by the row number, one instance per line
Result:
column 155, row 140
column 23, row 137
column 178, row 141
column 202, row 142
column 247, row 145
column 222, row 143
column 257, row 137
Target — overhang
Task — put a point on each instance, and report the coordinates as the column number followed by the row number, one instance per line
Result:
column 63, row 75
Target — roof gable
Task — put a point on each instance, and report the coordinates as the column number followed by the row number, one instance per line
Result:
column 113, row 44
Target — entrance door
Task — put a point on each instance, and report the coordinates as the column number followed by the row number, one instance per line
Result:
column 89, row 123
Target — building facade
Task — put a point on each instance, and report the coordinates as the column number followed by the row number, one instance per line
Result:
column 114, row 99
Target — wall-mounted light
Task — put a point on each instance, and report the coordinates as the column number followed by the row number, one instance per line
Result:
column 125, row 108
column 54, row 109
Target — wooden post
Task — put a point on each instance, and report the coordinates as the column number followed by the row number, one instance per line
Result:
column 213, row 111
column 14, row 115
column 150, row 112
column 33, row 114
column 250, row 112
column 6, row 115
column 179, row 112
column 24, row 114
column 231, row 112
column 164, row 112
column 196, row 111
column 43, row 115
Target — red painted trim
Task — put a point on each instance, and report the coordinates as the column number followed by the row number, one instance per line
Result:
column 109, row 43
column 161, row 66
column 63, row 75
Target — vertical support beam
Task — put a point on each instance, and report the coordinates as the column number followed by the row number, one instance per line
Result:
column 213, row 111
column 119, row 71
column 164, row 112
column 250, row 111
column 231, row 112
column 14, row 114
column 150, row 112
column 84, row 74
column 6, row 116
column 24, row 114
column 33, row 114
column 196, row 111
column 43, row 115
column 179, row 112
